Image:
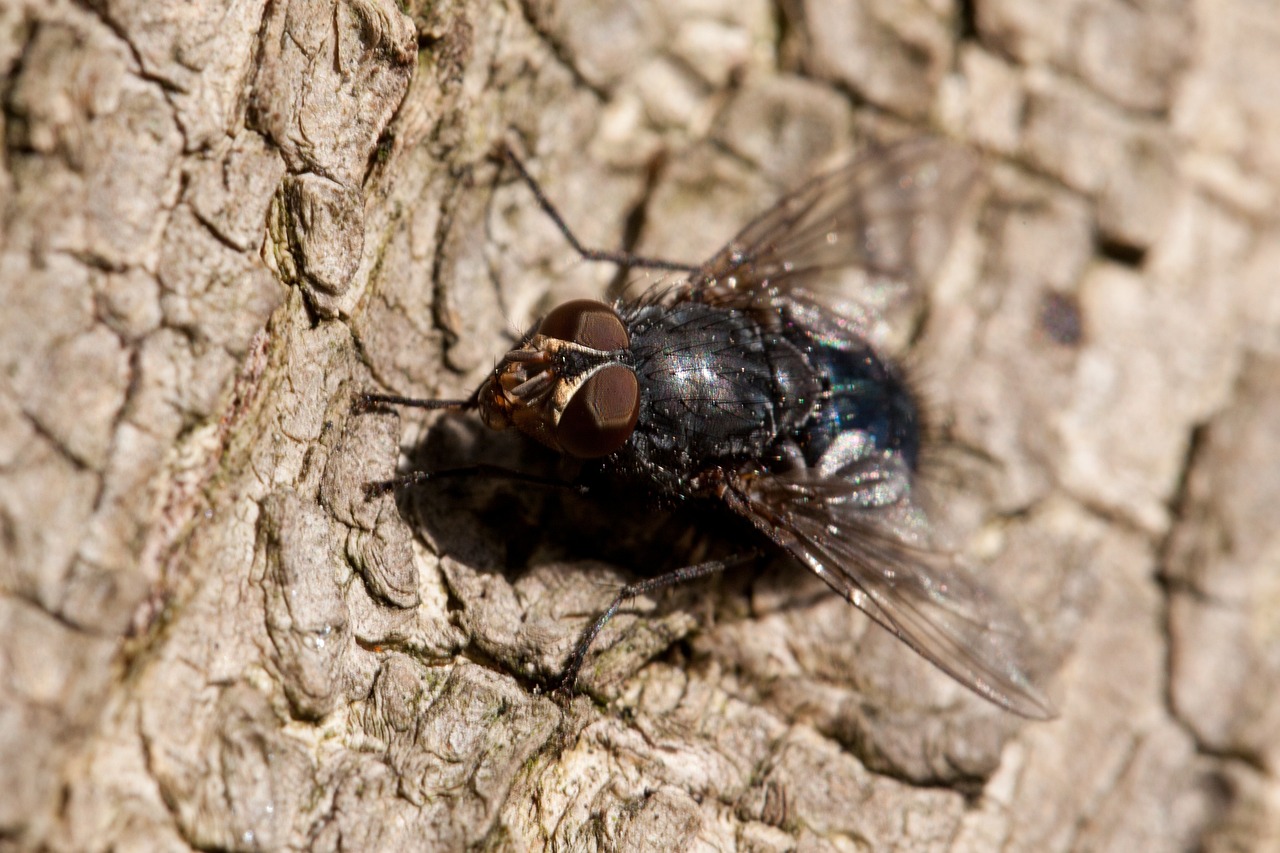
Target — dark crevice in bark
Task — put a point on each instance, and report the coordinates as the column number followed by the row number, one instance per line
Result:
column 1120, row 252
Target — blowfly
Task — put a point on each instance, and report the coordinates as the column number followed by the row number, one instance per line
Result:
column 742, row 386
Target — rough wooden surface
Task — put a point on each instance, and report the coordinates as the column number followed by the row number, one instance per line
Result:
column 220, row 220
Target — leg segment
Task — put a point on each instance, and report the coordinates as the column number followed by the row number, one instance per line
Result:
column 564, row 687
column 622, row 259
column 494, row 472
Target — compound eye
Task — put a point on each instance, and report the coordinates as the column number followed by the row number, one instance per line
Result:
column 587, row 323
column 601, row 414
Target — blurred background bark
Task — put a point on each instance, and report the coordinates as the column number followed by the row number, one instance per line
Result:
column 223, row 219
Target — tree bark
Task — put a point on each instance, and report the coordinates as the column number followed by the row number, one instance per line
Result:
column 222, row 221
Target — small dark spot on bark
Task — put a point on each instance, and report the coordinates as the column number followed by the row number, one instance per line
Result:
column 1060, row 318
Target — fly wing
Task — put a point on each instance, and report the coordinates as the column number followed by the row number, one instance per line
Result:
column 890, row 215
column 852, row 521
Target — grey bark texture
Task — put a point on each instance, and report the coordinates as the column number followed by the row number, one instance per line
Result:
column 221, row 220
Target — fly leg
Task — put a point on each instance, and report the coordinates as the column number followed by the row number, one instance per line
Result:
column 620, row 258
column 564, row 686
column 494, row 472
column 367, row 401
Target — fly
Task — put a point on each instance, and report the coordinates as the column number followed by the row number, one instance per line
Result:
column 742, row 387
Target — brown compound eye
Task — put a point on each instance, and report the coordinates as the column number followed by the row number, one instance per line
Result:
column 587, row 323
column 601, row 414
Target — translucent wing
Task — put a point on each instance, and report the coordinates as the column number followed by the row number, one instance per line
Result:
column 889, row 215
column 851, row 520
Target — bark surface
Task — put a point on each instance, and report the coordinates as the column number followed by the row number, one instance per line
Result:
column 222, row 220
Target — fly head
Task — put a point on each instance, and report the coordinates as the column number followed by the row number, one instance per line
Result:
column 570, row 385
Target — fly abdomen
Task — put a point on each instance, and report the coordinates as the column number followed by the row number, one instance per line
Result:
column 861, row 391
